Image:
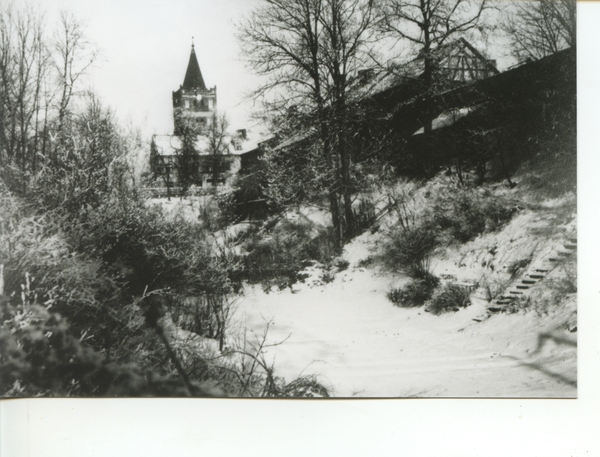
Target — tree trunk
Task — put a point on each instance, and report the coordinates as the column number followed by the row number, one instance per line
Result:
column 346, row 184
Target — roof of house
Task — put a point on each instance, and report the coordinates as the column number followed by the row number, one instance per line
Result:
column 193, row 76
column 447, row 118
column 399, row 74
column 168, row 145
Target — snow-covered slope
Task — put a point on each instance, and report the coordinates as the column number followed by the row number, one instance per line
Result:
column 349, row 334
column 361, row 345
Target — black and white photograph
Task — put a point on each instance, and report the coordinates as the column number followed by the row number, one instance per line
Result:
column 289, row 199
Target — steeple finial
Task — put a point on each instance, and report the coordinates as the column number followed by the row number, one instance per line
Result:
column 192, row 42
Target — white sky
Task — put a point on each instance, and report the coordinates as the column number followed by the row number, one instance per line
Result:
column 145, row 48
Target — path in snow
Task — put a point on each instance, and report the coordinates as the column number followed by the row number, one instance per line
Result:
column 359, row 344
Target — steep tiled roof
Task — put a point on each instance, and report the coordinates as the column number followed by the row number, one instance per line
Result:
column 193, row 76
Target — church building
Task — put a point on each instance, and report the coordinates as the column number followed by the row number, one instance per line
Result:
column 175, row 159
column 193, row 101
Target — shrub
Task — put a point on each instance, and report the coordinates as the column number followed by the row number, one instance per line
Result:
column 249, row 200
column 87, row 269
column 278, row 258
column 366, row 262
column 518, row 266
column 408, row 250
column 557, row 290
column 341, row 264
column 464, row 214
column 327, row 277
column 304, row 387
column 492, row 288
column 214, row 210
column 449, row 298
column 41, row 357
column 414, row 294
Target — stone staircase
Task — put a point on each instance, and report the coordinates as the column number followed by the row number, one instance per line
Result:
column 529, row 280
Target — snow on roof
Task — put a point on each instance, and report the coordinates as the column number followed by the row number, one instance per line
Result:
column 250, row 141
column 168, row 145
column 446, row 119
column 371, row 82
column 302, row 135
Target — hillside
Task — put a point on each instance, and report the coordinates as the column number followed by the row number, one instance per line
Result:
column 349, row 334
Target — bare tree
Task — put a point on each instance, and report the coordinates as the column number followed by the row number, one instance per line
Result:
column 73, row 55
column 540, row 28
column 188, row 160
column 216, row 134
column 30, row 65
column 23, row 69
column 426, row 25
column 308, row 50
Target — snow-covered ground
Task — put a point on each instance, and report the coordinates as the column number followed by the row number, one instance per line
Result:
column 360, row 345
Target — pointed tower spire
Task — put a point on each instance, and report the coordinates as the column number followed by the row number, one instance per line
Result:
column 193, row 76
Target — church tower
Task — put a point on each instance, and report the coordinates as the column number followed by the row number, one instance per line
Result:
column 193, row 101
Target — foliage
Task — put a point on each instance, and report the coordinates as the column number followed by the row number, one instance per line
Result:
column 155, row 252
column 415, row 293
column 449, row 298
column 188, row 157
column 256, row 377
column 89, row 162
column 227, row 210
column 249, row 198
column 517, row 267
column 341, row 264
column 278, row 257
column 364, row 216
column 304, row 387
column 309, row 49
column 206, row 315
column 39, row 83
column 40, row 356
column 217, row 134
column 409, row 250
column 463, row 214
column 115, row 252
column 297, row 173
column 327, row 277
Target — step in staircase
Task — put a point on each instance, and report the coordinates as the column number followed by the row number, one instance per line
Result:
column 528, row 281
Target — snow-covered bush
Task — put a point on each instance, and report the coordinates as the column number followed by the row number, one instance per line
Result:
column 408, row 250
column 277, row 258
column 415, row 293
column 449, row 298
column 464, row 214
